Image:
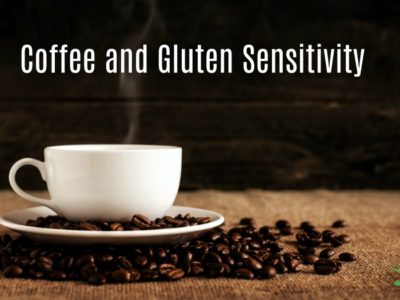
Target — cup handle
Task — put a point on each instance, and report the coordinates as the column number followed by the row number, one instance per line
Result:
column 14, row 185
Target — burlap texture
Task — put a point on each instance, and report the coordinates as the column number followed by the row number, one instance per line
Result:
column 374, row 227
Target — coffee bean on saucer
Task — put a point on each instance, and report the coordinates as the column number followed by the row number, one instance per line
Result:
column 347, row 256
column 339, row 224
column 140, row 221
column 87, row 226
column 116, row 227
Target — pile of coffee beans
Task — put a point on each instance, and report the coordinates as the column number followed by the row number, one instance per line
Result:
column 138, row 222
column 243, row 251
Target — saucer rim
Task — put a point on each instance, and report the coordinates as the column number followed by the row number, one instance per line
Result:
column 12, row 225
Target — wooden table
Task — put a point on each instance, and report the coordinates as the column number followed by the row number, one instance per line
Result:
column 374, row 219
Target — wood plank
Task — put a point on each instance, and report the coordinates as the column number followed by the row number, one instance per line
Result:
column 226, row 145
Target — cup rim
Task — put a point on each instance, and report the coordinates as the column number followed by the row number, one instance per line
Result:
column 111, row 148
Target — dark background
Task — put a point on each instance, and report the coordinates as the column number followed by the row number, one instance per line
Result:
column 238, row 130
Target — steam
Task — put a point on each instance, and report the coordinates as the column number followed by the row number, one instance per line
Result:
column 129, row 84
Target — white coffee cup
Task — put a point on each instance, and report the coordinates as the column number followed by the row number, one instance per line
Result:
column 106, row 182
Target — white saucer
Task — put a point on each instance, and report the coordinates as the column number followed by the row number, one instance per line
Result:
column 16, row 221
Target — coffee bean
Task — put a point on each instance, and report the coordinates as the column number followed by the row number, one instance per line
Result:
column 310, row 259
column 121, row 276
column 5, row 239
column 254, row 245
column 214, row 269
column 45, row 263
column 135, row 275
column 253, row 263
column 214, row 235
column 306, row 250
column 13, row 271
column 174, row 274
column 344, row 238
column 173, row 258
column 222, row 248
column 243, row 252
column 282, row 223
column 347, row 256
column 87, row 226
column 235, row 237
column 325, row 266
column 213, row 257
column 23, row 261
column 164, row 268
column 244, row 273
column 269, row 272
column 104, row 259
column 281, row 268
column 247, row 221
column 161, row 253
column 35, row 274
column 286, row 230
column 123, row 262
column 140, row 261
column 196, row 269
column 116, row 227
column 336, row 241
column 327, row 253
column 339, row 224
column 84, row 259
column 88, row 270
column 58, row 275
column 149, row 274
column 140, row 221
column 294, row 265
column 265, row 230
column 97, row 279
column 327, row 235
column 314, row 241
column 275, row 247
column 67, row 262
column 306, row 226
